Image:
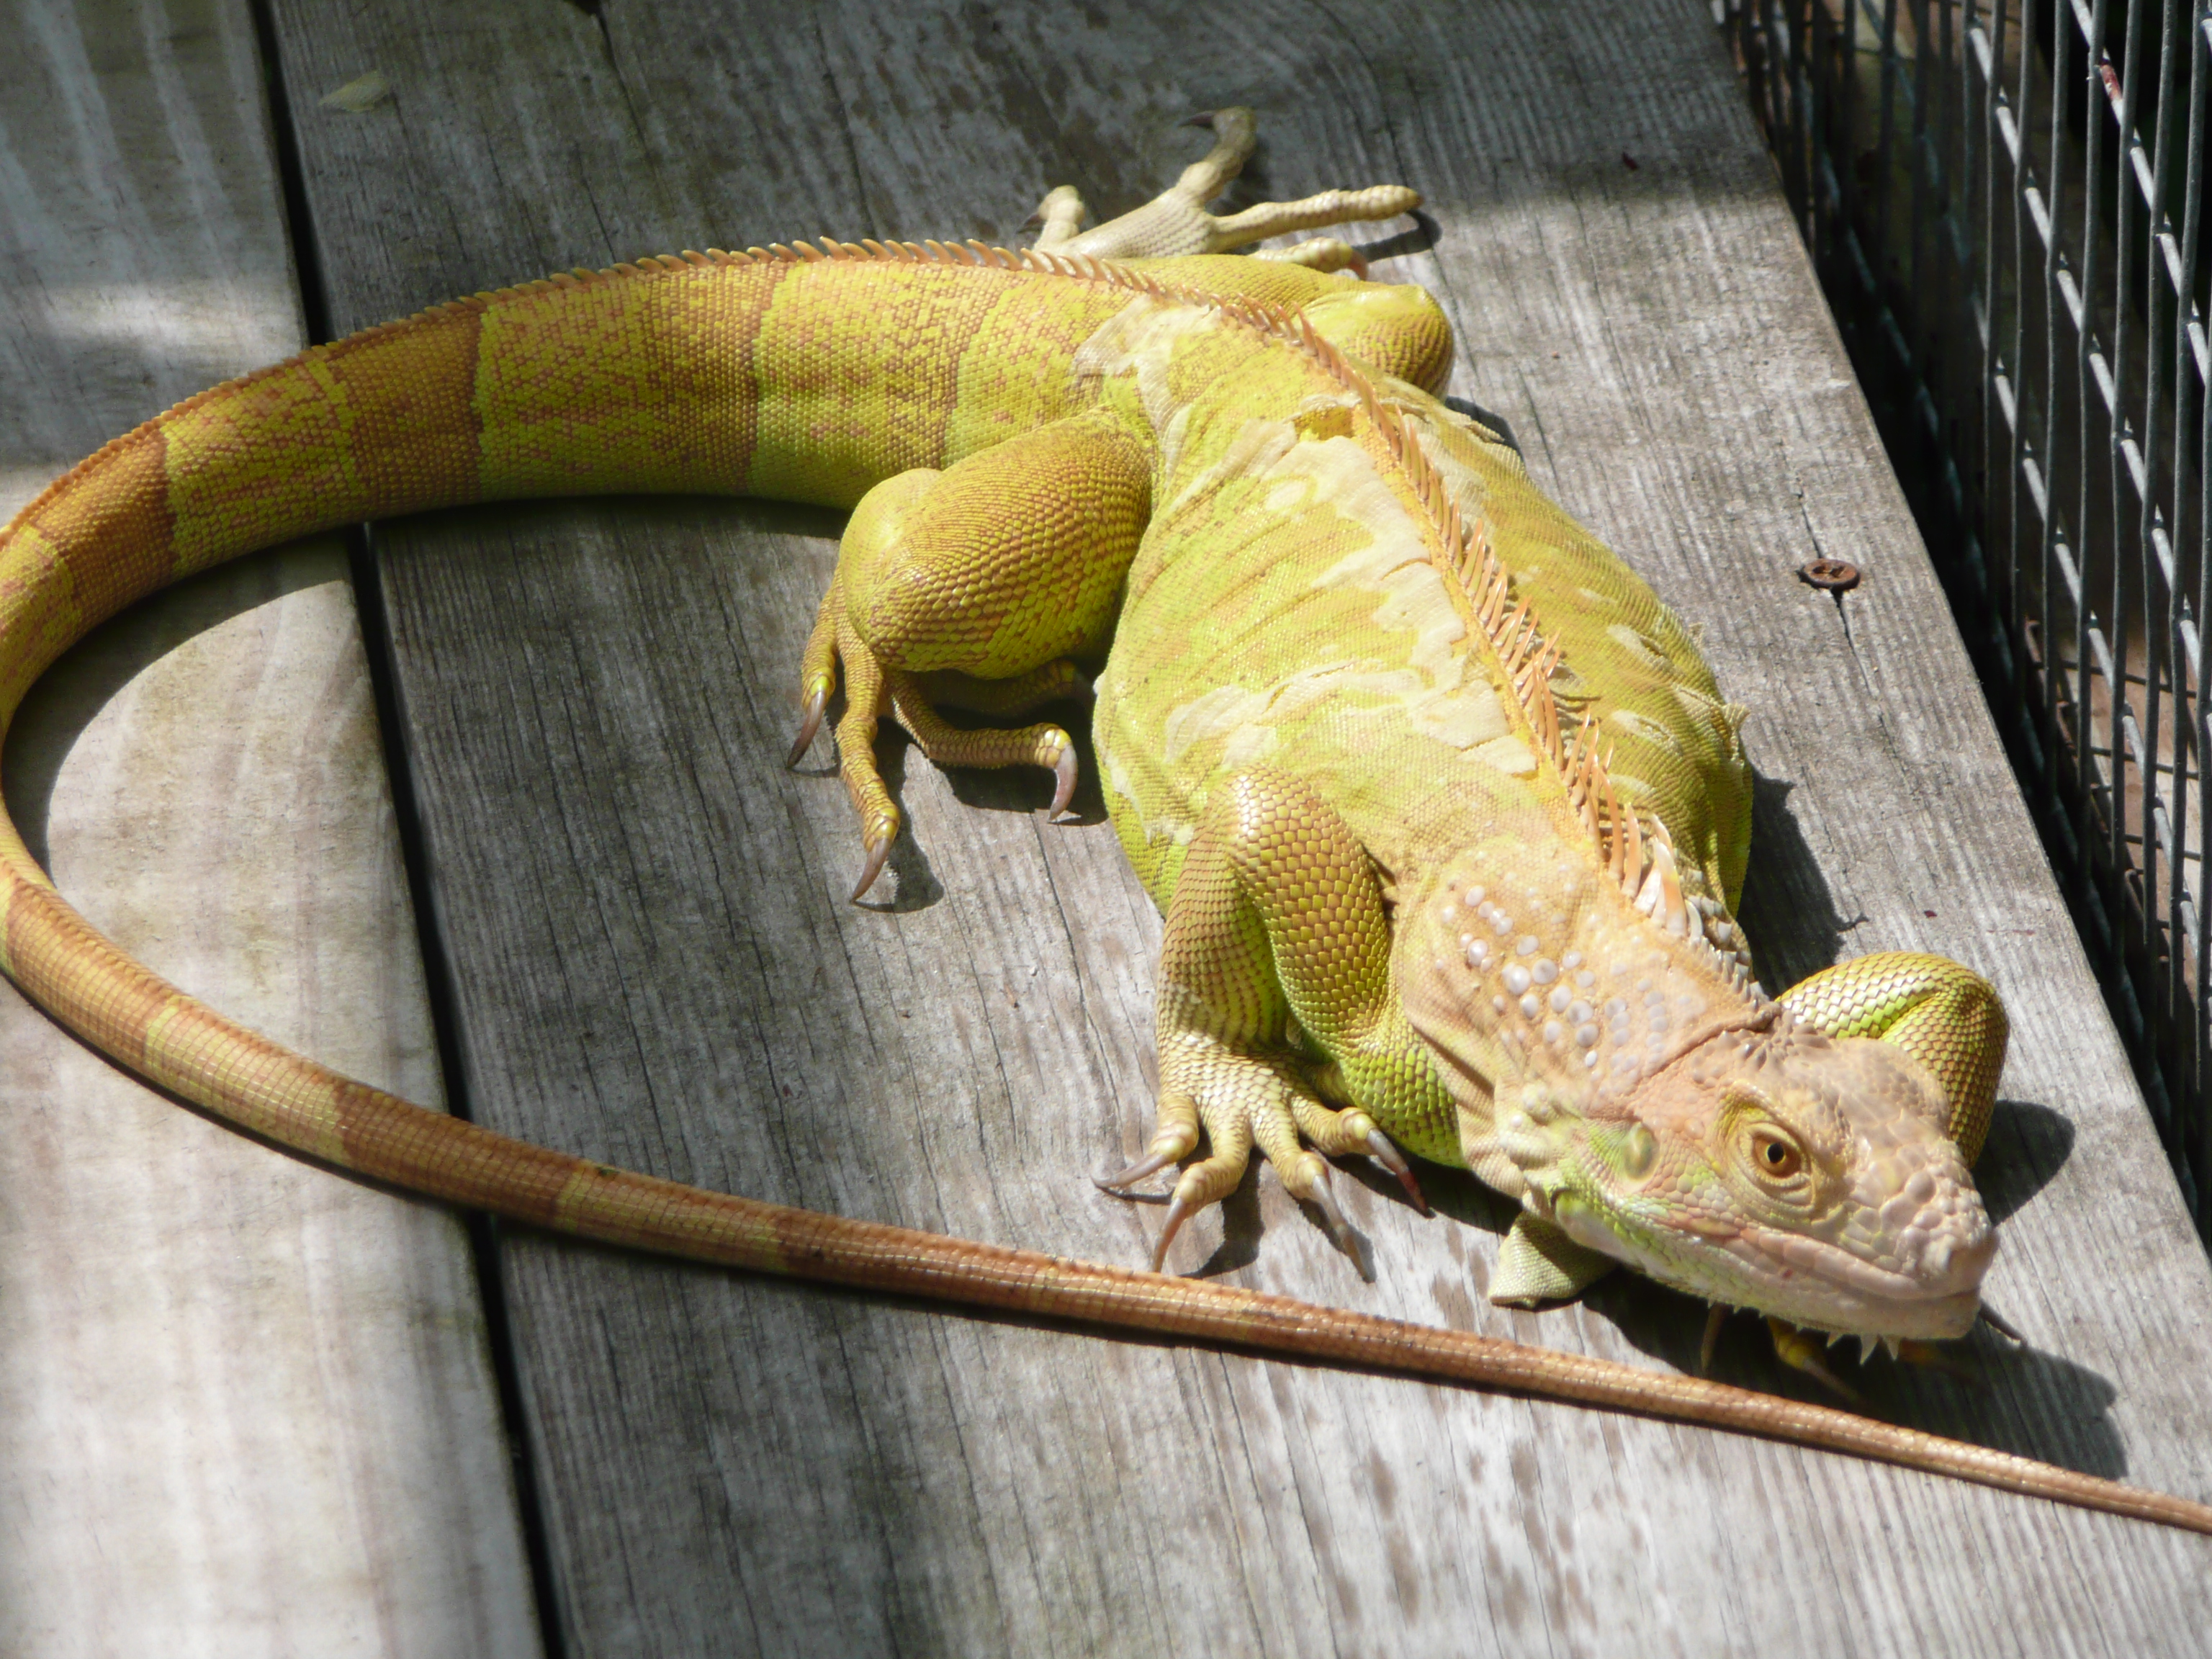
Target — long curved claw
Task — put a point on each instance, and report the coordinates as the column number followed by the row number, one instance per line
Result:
column 880, row 837
column 1063, row 787
column 810, row 723
column 1180, row 1208
column 1380, row 1149
column 2001, row 1325
column 1150, row 1163
column 1319, row 1196
column 1817, row 1368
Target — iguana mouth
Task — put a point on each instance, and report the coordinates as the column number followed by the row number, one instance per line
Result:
column 1851, row 1294
column 1809, row 1282
column 1949, row 1266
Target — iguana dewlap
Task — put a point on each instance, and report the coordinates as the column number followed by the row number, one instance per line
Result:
column 1445, row 813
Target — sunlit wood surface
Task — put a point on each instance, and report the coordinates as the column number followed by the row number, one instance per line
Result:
column 641, row 915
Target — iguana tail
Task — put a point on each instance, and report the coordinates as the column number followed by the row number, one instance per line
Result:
column 616, row 382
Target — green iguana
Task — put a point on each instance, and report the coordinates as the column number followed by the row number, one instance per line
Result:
column 1447, row 816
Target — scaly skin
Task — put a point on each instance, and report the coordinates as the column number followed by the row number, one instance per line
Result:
column 1327, row 717
column 1316, row 696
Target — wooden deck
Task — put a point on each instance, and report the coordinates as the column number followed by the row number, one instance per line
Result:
column 247, row 1407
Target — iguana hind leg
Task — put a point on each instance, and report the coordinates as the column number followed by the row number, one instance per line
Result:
column 1176, row 222
column 1275, row 990
column 999, row 568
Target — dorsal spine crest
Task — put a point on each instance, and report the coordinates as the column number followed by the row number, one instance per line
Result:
column 1637, row 856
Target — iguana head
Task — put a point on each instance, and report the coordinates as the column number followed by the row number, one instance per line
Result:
column 1772, row 1169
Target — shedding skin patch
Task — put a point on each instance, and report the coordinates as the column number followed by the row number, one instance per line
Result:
column 1217, row 714
column 1637, row 646
column 1509, row 754
column 1396, row 565
column 1255, row 452
column 1643, row 726
column 1142, row 339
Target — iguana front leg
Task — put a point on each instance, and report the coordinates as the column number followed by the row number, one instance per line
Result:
column 1274, row 992
column 999, row 569
column 1176, row 222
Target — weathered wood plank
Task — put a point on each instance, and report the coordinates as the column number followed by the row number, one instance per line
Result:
column 655, row 964
column 244, row 1407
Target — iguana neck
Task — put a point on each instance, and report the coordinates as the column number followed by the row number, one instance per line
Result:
column 1534, row 979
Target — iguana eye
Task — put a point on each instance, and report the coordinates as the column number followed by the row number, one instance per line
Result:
column 1774, row 1155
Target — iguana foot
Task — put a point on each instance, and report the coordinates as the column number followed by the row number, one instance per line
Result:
column 985, row 580
column 870, row 691
column 1176, row 222
column 1241, row 1100
column 1274, row 1001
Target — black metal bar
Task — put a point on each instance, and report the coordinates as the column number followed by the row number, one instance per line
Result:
column 2199, row 1134
column 2061, row 472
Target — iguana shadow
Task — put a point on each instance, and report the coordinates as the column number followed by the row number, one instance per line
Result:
column 1787, row 909
column 2017, row 1399
column 91, row 673
column 2029, row 1143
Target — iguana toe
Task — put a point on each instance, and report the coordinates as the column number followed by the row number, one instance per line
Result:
column 1063, row 788
column 810, row 722
column 1203, row 1183
column 1321, row 253
column 1380, row 1149
column 882, row 832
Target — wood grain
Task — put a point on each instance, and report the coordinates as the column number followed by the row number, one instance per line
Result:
column 245, row 1407
column 655, row 964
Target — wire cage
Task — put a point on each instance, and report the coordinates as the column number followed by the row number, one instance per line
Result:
column 2005, row 202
